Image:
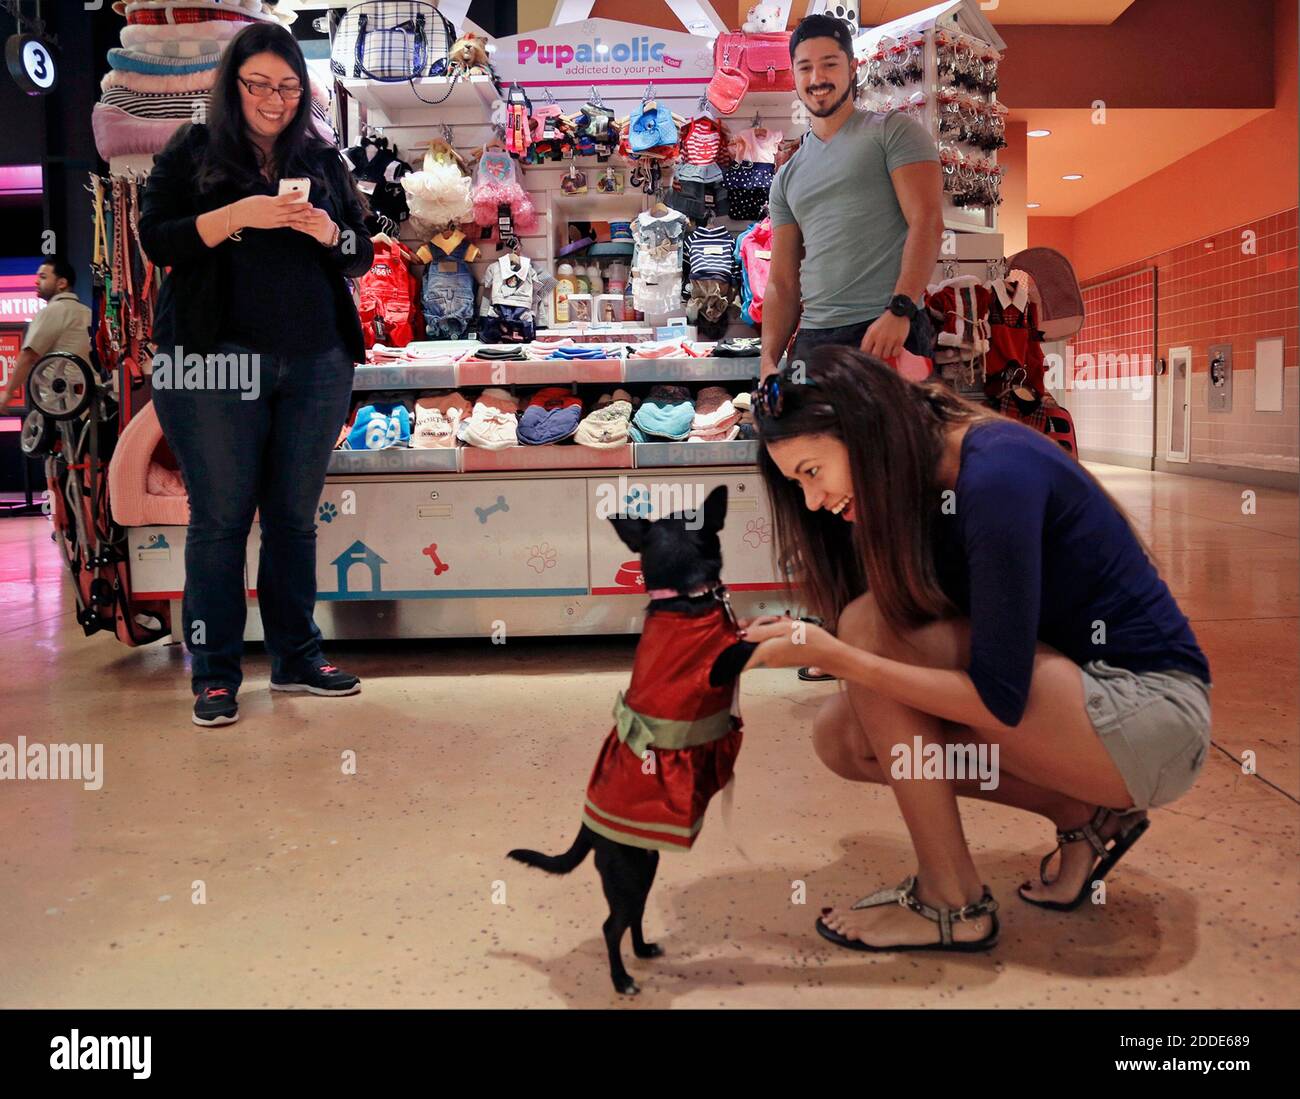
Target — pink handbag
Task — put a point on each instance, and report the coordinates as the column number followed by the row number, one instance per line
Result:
column 744, row 62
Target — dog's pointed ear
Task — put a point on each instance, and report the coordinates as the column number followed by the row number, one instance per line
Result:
column 631, row 531
column 715, row 509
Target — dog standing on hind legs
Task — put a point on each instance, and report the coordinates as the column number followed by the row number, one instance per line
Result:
column 677, row 729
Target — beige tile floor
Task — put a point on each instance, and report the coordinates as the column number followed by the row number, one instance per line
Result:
column 377, row 890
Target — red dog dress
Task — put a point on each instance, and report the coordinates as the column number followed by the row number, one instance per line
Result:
column 675, row 737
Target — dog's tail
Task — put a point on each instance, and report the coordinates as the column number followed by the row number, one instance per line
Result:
column 556, row 864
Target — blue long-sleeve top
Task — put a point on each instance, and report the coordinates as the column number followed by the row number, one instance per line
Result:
column 1031, row 549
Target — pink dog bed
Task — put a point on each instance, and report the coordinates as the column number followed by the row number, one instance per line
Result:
column 144, row 485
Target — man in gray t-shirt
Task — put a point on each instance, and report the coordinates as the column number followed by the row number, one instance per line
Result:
column 857, row 213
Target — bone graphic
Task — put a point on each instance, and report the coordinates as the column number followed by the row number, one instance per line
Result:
column 500, row 505
column 431, row 552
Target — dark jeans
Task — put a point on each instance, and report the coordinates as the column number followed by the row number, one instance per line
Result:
column 920, row 340
column 238, row 456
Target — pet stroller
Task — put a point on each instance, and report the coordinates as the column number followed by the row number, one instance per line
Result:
column 73, row 425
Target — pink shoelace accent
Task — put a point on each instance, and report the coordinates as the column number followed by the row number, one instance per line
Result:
column 217, row 692
column 328, row 669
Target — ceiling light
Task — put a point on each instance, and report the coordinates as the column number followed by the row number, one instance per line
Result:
column 1073, row 175
column 1032, row 205
column 1039, row 133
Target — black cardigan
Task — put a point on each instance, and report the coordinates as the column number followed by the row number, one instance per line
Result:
column 191, row 301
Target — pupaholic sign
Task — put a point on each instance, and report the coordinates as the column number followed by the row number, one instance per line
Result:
column 603, row 52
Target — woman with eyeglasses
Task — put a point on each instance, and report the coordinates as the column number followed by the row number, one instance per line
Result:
column 257, row 336
column 1000, row 632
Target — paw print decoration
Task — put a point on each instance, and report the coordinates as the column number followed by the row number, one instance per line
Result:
column 327, row 512
column 542, row 558
column 846, row 12
column 757, row 533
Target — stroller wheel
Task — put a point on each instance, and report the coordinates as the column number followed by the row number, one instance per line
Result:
column 38, row 434
column 61, row 385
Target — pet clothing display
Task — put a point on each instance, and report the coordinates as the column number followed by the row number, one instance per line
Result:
column 701, row 141
column 379, row 426
column 439, row 193
column 437, row 420
column 664, row 416
column 749, row 177
column 960, row 309
column 550, row 416
column 754, row 251
column 493, row 424
column 608, row 425
column 1014, row 340
column 510, row 291
column 738, row 347
column 448, row 295
column 388, row 296
column 692, row 728
column 497, row 191
column 657, row 261
column 716, row 418
column 379, row 171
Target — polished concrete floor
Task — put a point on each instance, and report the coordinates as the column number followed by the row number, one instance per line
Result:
column 388, row 888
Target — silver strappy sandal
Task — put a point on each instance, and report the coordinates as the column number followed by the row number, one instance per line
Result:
column 1130, row 832
column 905, row 895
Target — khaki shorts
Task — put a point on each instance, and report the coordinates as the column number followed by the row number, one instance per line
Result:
column 1155, row 725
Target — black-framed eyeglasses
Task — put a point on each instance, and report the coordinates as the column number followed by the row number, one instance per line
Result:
column 259, row 89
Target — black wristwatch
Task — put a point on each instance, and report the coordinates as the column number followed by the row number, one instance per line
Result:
column 902, row 306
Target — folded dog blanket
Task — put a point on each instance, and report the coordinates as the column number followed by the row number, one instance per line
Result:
column 552, row 414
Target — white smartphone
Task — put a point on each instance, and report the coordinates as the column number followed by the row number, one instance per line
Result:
column 296, row 187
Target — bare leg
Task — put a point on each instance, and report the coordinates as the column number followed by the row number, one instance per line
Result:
column 1062, row 768
column 841, row 744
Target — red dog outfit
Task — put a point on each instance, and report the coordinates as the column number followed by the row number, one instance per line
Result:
column 675, row 738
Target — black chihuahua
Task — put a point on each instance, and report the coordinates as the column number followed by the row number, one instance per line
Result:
column 677, row 730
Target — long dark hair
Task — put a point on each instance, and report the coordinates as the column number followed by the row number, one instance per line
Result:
column 231, row 158
column 895, row 431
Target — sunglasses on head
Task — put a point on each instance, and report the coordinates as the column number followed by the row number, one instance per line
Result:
column 772, row 389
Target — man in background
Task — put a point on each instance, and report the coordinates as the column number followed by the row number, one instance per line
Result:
column 857, row 215
column 63, row 325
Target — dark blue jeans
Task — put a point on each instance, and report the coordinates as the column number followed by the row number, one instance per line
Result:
column 269, row 455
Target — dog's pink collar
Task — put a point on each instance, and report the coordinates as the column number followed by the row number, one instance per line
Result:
column 670, row 593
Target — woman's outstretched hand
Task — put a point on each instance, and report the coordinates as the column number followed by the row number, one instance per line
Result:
column 788, row 643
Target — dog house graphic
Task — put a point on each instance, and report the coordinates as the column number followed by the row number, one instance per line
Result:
column 358, row 554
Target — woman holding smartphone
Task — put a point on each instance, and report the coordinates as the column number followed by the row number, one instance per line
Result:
column 259, row 222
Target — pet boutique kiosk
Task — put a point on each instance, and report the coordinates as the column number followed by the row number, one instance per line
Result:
column 460, row 541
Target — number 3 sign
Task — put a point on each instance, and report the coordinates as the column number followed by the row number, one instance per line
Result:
column 31, row 64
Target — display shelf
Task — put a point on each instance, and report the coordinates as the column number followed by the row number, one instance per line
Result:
column 439, row 376
column 557, row 456
column 397, row 460
column 539, row 371
column 398, row 98
column 737, row 452
column 691, row 370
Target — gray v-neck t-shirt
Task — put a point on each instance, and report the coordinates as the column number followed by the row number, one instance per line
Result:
column 840, row 194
